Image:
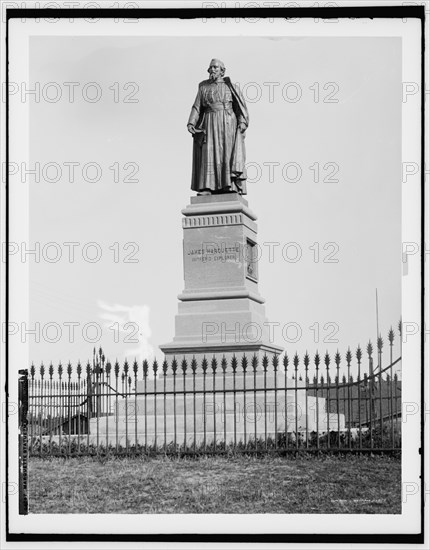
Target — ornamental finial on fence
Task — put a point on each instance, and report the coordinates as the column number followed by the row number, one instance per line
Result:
column 155, row 367
column 233, row 363
column 193, row 365
column 244, row 363
column 164, row 367
column 184, row 365
column 174, row 366
column 286, row 361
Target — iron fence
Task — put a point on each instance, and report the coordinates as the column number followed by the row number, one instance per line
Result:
column 216, row 405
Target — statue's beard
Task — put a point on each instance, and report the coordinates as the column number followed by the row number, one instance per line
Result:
column 214, row 76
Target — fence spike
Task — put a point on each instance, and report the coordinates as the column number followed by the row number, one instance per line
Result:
column 348, row 356
column 79, row 369
column 214, row 364
column 174, row 366
column 135, row 366
column 254, row 362
column 69, row 369
column 223, row 364
column 125, row 367
column 234, row 363
column 327, row 359
column 194, row 364
column 244, row 363
column 164, row 367
column 108, row 368
column 145, row 368
column 369, row 349
column 275, row 362
column 184, row 365
column 155, row 367
column 204, row 364
column 391, row 336
column 286, row 361
column 380, row 343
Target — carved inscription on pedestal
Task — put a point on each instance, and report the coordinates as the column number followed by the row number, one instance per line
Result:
column 211, row 252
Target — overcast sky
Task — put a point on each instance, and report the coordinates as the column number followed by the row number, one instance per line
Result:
column 344, row 108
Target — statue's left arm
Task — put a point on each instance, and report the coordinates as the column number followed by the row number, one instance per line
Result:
column 239, row 106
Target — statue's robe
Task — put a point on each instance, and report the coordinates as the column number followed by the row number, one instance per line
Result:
column 219, row 148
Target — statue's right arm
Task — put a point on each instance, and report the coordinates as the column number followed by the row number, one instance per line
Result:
column 195, row 113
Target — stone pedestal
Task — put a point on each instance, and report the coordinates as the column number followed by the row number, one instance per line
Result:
column 220, row 309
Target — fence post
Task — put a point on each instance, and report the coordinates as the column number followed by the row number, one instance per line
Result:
column 296, row 409
column 327, row 364
column 390, row 385
column 380, row 344
column 337, row 360
column 23, row 441
column 306, row 362
column 358, row 355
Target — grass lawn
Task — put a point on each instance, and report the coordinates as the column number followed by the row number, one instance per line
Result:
column 233, row 485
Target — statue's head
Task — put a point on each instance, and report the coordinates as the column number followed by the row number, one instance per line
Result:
column 216, row 69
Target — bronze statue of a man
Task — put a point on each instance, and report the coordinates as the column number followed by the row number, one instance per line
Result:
column 218, row 121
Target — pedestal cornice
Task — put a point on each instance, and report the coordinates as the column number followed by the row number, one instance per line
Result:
column 219, row 204
column 221, row 295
